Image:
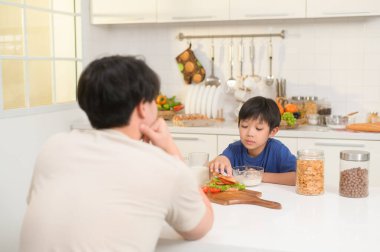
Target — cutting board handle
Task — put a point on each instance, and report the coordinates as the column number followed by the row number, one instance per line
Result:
column 257, row 201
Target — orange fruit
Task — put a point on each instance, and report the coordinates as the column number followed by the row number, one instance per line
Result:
column 290, row 107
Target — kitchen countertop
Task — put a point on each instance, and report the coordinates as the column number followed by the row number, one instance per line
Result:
column 327, row 222
column 230, row 128
column 303, row 131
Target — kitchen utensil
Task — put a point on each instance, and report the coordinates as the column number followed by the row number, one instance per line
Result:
column 241, row 77
column 336, row 122
column 252, row 79
column 212, row 80
column 231, row 82
column 270, row 78
column 351, row 114
column 242, row 197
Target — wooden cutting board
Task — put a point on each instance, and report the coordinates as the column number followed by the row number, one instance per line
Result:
column 365, row 127
column 242, row 197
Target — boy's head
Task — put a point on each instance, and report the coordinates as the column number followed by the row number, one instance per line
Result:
column 261, row 109
column 110, row 88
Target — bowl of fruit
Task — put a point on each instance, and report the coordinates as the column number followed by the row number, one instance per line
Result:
column 168, row 106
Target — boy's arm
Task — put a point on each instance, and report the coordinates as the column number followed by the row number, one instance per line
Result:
column 285, row 178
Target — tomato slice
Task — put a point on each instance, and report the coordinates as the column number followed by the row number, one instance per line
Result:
column 214, row 190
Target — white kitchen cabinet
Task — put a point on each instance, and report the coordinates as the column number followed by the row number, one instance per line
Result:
column 123, row 11
column 342, row 8
column 195, row 10
column 332, row 149
column 196, row 143
column 267, row 9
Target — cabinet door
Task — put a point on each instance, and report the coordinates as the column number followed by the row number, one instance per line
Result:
column 195, row 10
column 342, row 8
column 196, row 143
column 123, row 11
column 267, row 9
column 332, row 149
column 225, row 140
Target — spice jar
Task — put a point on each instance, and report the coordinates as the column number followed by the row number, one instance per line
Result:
column 353, row 180
column 311, row 105
column 299, row 101
column 324, row 110
column 310, row 172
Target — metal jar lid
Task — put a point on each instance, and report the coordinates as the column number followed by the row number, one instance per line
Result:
column 311, row 98
column 354, row 155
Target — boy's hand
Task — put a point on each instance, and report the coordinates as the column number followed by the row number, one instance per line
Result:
column 220, row 164
column 159, row 135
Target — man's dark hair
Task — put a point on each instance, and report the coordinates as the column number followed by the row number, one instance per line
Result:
column 111, row 87
column 261, row 108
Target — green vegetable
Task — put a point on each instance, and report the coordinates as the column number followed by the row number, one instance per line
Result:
column 166, row 106
column 289, row 118
column 225, row 187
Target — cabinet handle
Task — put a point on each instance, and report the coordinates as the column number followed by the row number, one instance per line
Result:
column 267, row 15
column 192, row 17
column 345, row 13
column 339, row 144
column 186, row 138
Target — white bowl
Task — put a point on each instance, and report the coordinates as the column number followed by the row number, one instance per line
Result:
column 248, row 175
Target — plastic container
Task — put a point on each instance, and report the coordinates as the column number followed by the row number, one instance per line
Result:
column 310, row 172
column 354, row 165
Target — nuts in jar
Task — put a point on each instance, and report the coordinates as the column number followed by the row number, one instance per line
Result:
column 353, row 180
column 310, row 172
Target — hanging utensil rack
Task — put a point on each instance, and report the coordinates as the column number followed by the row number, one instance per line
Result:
column 182, row 36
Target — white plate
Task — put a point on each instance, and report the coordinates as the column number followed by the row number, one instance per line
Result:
column 194, row 97
column 209, row 101
column 199, row 99
column 216, row 102
column 189, row 92
column 204, row 100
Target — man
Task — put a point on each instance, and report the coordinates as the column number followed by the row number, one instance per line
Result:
column 107, row 189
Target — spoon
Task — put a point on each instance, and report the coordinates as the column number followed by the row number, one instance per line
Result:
column 212, row 80
column 250, row 81
column 270, row 79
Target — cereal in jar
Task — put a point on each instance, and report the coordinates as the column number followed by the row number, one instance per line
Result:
column 310, row 172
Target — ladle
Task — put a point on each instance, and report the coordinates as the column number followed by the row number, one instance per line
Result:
column 270, row 78
column 250, row 81
column 212, row 80
column 231, row 82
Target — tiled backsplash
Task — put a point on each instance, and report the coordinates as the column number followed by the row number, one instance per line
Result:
column 336, row 59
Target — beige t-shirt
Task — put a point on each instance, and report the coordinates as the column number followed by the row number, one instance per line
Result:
column 98, row 190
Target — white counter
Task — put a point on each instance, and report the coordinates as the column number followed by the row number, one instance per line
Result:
column 327, row 222
column 231, row 128
column 303, row 131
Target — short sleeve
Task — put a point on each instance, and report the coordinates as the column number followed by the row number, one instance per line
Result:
column 288, row 161
column 187, row 207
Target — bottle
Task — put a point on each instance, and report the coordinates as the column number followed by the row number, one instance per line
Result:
column 310, row 172
column 353, row 182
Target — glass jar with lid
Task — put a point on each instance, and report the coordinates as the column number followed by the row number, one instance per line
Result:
column 310, row 172
column 353, row 182
column 324, row 109
column 299, row 101
column 311, row 107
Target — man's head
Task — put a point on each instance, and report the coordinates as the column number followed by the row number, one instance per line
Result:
column 261, row 109
column 110, row 88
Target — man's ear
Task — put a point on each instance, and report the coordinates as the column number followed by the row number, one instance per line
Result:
column 141, row 109
column 273, row 132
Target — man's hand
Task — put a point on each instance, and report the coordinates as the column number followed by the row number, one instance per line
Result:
column 220, row 164
column 158, row 134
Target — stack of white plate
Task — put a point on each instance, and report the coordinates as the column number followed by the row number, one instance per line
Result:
column 201, row 99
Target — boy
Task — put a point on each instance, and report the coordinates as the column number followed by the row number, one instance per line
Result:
column 259, row 120
column 105, row 189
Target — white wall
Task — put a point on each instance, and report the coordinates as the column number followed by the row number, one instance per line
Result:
column 337, row 59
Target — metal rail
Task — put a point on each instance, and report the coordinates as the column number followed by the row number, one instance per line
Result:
column 182, row 36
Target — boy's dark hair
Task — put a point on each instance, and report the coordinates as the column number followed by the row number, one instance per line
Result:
column 262, row 109
column 111, row 87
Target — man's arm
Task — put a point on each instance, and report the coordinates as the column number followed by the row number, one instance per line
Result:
column 204, row 225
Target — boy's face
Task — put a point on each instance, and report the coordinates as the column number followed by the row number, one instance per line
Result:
column 254, row 134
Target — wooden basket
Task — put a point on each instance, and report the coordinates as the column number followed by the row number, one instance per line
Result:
column 166, row 114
